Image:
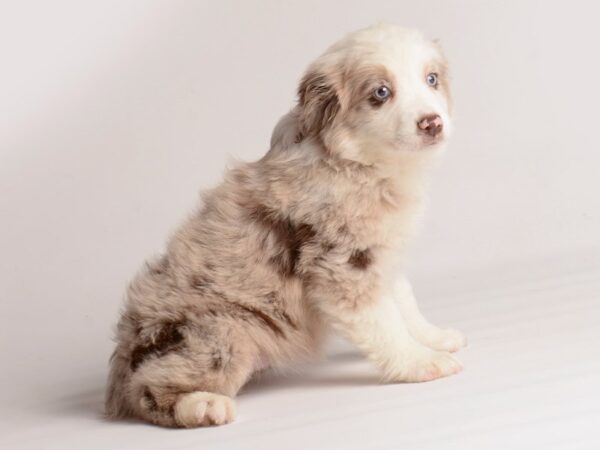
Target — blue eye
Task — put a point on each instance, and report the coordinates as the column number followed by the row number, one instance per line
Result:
column 382, row 93
column 432, row 79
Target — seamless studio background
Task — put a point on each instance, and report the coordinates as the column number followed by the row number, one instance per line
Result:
column 114, row 116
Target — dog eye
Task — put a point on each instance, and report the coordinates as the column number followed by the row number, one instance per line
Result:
column 382, row 93
column 432, row 79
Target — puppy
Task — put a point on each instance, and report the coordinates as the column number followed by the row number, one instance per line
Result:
column 308, row 238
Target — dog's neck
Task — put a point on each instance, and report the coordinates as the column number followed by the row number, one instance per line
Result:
column 394, row 186
column 408, row 169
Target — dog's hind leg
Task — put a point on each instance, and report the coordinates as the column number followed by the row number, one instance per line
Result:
column 191, row 382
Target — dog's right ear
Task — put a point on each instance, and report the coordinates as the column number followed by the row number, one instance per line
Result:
column 318, row 101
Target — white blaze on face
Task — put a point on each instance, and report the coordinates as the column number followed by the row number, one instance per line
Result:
column 362, row 127
column 411, row 61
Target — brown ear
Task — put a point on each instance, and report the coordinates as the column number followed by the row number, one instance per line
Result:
column 319, row 103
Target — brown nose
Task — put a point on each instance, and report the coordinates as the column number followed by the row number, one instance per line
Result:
column 431, row 125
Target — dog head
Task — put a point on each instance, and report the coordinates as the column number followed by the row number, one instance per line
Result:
column 376, row 94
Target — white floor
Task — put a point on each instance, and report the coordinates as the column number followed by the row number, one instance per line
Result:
column 531, row 381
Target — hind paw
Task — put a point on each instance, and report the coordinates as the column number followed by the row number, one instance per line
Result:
column 198, row 409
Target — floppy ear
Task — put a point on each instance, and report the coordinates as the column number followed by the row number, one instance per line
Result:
column 318, row 101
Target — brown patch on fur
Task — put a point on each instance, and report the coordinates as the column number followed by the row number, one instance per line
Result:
column 353, row 89
column 262, row 317
column 220, row 358
column 375, row 102
column 362, row 82
column 367, row 79
column 343, row 229
column 199, row 282
column 325, row 94
column 275, row 303
column 272, row 298
column 289, row 320
column 361, row 259
column 289, row 238
column 150, row 400
column 303, row 234
column 217, row 361
column 327, row 246
column 168, row 339
column 319, row 103
column 283, row 264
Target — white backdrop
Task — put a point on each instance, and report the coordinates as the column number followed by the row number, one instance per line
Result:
column 114, row 114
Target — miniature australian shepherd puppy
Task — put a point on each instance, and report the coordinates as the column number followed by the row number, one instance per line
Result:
column 307, row 239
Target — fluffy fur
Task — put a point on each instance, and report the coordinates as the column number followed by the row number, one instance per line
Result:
column 306, row 239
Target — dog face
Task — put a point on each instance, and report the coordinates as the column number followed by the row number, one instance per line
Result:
column 376, row 94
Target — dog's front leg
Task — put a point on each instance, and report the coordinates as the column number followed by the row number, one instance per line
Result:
column 376, row 327
column 420, row 328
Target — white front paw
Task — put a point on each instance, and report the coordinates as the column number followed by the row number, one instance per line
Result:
column 427, row 365
column 448, row 340
column 451, row 340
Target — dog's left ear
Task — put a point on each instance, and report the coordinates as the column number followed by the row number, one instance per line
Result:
column 318, row 101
